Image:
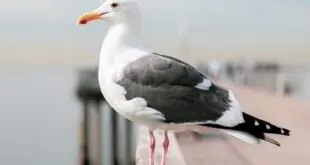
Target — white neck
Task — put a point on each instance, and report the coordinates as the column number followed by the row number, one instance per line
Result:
column 121, row 36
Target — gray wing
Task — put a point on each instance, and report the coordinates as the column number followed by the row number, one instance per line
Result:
column 170, row 86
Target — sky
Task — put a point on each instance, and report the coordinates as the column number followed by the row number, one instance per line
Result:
column 44, row 31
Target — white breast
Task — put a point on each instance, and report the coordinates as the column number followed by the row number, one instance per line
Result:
column 111, row 70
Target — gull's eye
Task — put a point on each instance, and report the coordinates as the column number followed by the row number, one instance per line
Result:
column 114, row 5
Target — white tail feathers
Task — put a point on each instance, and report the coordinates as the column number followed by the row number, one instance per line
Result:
column 242, row 136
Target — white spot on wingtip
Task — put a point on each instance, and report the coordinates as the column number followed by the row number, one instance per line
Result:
column 256, row 123
column 282, row 131
column 204, row 85
column 267, row 126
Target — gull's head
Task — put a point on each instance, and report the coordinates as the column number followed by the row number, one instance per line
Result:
column 113, row 11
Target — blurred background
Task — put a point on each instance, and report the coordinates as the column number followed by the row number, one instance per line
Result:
column 48, row 85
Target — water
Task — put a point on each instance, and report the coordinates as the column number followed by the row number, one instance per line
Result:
column 39, row 116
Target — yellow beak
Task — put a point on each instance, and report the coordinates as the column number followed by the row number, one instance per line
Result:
column 89, row 16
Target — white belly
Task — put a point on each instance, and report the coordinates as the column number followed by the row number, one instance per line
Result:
column 136, row 109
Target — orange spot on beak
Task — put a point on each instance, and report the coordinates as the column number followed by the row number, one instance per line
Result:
column 89, row 16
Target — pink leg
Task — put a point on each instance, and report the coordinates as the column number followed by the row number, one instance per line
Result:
column 165, row 146
column 152, row 147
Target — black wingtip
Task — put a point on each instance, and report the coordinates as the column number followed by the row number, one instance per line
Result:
column 285, row 132
column 264, row 126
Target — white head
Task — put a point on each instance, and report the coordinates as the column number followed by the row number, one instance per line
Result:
column 114, row 11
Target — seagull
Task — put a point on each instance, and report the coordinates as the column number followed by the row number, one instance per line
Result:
column 163, row 92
